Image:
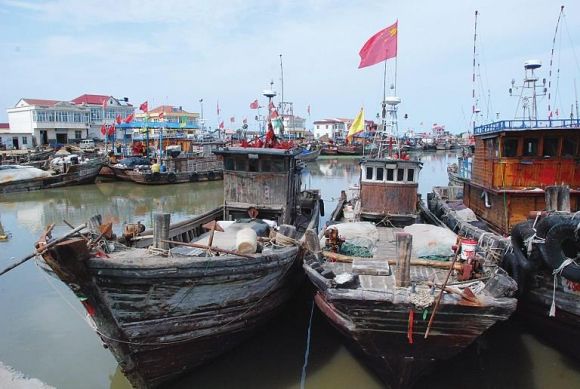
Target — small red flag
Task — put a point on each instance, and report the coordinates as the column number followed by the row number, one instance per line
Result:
column 161, row 115
column 103, row 129
column 274, row 114
column 129, row 118
column 222, row 125
column 232, row 119
column 380, row 47
column 118, row 119
column 245, row 121
column 111, row 131
column 144, row 107
column 271, row 105
column 254, row 104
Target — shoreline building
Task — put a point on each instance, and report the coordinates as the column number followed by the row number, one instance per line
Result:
column 336, row 129
column 39, row 122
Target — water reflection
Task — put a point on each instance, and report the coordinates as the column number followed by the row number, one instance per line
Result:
column 44, row 335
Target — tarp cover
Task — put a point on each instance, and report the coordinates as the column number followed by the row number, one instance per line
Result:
column 11, row 173
column 431, row 241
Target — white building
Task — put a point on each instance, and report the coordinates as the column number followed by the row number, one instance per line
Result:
column 334, row 129
column 35, row 122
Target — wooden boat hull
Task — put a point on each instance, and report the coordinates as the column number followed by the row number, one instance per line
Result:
column 309, row 156
column 378, row 330
column 161, row 319
column 75, row 175
column 148, row 178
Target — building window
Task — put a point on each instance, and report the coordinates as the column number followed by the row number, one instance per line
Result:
column 24, row 140
column 411, row 175
column 510, row 147
column 569, row 146
column 390, row 174
column 254, row 165
column 369, row 175
column 530, row 147
column 380, row 173
column 229, row 164
column 78, row 134
column 551, row 147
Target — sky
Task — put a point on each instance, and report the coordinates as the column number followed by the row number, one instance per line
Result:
column 177, row 52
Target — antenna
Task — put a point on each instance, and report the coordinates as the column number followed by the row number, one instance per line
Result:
column 282, row 83
column 528, row 95
column 551, row 63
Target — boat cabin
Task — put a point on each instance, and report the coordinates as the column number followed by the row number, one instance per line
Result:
column 388, row 190
column 514, row 163
column 264, row 179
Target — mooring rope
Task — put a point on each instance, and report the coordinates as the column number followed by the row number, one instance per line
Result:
column 307, row 351
column 556, row 273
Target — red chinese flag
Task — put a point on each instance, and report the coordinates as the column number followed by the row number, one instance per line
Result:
column 103, row 129
column 129, row 118
column 380, row 47
column 111, row 131
column 144, row 107
column 161, row 114
column 254, row 104
column 118, row 119
column 222, row 125
column 274, row 114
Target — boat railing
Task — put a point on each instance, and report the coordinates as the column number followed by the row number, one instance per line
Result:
column 525, row 125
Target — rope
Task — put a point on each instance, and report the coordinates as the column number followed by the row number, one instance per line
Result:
column 307, row 352
column 556, row 273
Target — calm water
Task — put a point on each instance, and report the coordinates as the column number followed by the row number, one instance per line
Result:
column 43, row 333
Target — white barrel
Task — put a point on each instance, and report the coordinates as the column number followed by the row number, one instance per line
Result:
column 246, row 241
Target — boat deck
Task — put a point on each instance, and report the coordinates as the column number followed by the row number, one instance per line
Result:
column 375, row 274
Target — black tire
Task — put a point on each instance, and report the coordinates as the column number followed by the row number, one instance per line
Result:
column 148, row 177
column 155, row 177
column 561, row 244
column 171, row 177
column 547, row 223
column 194, row 177
column 211, row 176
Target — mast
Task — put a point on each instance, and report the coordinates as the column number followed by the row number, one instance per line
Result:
column 576, row 96
column 551, row 63
column 474, row 108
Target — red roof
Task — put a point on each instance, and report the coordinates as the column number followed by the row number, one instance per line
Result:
column 90, row 99
column 4, row 125
column 167, row 109
column 48, row 103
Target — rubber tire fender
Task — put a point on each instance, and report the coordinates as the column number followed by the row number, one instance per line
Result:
column 194, row 177
column 211, row 176
column 560, row 244
column 171, row 177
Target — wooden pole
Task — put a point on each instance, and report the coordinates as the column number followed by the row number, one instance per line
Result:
column 403, row 270
column 44, row 248
column 161, row 222
column 414, row 262
column 551, row 196
column 457, row 251
column 564, row 198
column 202, row 246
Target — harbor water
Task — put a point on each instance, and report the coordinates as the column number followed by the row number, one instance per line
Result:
column 44, row 333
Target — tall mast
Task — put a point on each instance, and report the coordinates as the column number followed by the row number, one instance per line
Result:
column 282, row 84
column 576, row 95
column 474, row 108
column 551, row 62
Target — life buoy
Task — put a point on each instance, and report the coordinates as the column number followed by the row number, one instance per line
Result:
column 171, row 177
column 211, row 176
column 193, row 177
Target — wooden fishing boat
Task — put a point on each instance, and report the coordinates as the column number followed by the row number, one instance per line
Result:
column 349, row 149
column 380, row 301
column 184, row 293
column 309, row 155
column 521, row 167
column 12, row 178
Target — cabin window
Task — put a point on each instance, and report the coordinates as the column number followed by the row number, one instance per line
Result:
column 390, row 174
column 400, row 174
column 510, row 147
column 551, row 147
column 369, row 175
column 530, row 147
column 278, row 166
column 241, row 165
column 380, row 174
column 266, row 165
column 411, row 175
column 229, row 164
column 569, row 146
column 491, row 148
column 253, row 165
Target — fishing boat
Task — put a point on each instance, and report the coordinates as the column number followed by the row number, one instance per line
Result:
column 174, row 297
column 175, row 167
column 375, row 280
column 309, row 155
column 74, row 171
column 524, row 181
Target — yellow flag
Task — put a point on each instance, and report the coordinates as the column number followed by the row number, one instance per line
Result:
column 358, row 125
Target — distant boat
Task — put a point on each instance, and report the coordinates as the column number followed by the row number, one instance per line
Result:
column 309, row 155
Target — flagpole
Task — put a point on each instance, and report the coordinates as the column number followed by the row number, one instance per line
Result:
column 106, row 130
